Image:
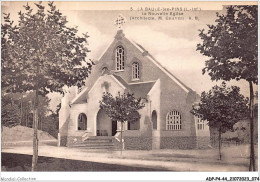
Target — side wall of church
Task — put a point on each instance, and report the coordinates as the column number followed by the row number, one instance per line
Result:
column 75, row 135
column 176, row 100
column 155, row 105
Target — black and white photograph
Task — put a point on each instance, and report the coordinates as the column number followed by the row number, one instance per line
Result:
column 98, row 86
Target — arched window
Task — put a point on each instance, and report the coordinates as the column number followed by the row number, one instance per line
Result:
column 104, row 71
column 82, row 121
column 154, row 120
column 135, row 71
column 135, row 124
column 173, row 120
column 120, row 58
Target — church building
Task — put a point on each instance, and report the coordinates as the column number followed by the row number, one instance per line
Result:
column 166, row 121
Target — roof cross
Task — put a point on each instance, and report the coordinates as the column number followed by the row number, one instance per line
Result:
column 119, row 21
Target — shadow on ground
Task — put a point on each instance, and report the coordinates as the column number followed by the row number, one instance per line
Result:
column 21, row 162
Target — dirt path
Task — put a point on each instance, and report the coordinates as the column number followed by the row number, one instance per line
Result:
column 173, row 160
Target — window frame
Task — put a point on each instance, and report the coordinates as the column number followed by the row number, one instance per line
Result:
column 174, row 116
column 80, row 121
column 200, row 124
column 135, row 71
column 104, row 70
column 120, row 58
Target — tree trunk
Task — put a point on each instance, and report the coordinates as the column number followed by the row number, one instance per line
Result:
column 35, row 135
column 21, row 119
column 2, row 129
column 41, row 124
column 219, row 142
column 252, row 166
column 26, row 119
column 121, row 138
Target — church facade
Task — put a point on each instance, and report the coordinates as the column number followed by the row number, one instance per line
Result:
column 166, row 121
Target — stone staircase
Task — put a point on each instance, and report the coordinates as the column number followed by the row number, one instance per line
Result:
column 98, row 143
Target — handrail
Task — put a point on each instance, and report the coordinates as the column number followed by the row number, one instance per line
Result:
column 85, row 136
column 117, row 136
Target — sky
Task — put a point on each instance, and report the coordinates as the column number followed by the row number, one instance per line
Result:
column 171, row 42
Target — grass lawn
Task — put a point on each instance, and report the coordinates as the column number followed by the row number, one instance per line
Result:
column 21, row 162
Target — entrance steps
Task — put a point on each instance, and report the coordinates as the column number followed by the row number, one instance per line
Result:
column 97, row 143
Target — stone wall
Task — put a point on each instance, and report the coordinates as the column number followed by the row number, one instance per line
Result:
column 63, row 141
column 138, row 143
column 188, row 142
column 72, row 140
column 156, row 139
column 140, row 139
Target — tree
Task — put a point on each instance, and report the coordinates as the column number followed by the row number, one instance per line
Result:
column 10, row 115
column 232, row 47
column 22, row 102
column 42, row 54
column 43, row 107
column 121, row 108
column 52, row 122
column 222, row 107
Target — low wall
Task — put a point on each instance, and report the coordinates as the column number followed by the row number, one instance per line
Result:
column 178, row 142
column 138, row 143
column 62, row 141
column 156, row 139
column 72, row 140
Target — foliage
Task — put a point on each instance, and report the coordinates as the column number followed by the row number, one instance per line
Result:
column 232, row 45
column 42, row 52
column 222, row 107
column 52, row 122
column 51, row 125
column 121, row 108
column 24, row 104
column 10, row 115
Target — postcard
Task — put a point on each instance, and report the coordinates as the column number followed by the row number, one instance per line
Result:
column 143, row 89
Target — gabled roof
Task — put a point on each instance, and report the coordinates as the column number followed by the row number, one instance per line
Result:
column 141, row 47
column 158, row 64
column 140, row 89
column 170, row 73
column 121, row 80
column 149, row 56
column 80, row 97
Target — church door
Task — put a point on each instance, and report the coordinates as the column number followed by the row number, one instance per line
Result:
column 104, row 124
column 114, row 127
